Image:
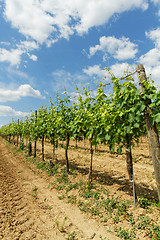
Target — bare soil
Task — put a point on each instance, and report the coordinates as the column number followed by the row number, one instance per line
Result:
column 33, row 207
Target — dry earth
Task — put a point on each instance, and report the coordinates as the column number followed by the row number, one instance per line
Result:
column 23, row 216
column 30, row 205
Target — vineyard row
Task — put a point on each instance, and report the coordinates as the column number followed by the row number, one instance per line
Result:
column 116, row 120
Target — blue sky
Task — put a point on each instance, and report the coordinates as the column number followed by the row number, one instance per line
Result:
column 46, row 46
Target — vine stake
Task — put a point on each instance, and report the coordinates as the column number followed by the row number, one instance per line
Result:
column 153, row 136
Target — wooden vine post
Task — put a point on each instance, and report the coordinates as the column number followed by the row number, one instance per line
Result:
column 153, row 136
column 91, row 163
column 66, row 152
column 42, row 147
column 18, row 134
column 35, row 140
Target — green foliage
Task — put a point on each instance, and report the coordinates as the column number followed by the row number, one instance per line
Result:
column 95, row 211
column 83, row 206
column 102, row 237
column 130, row 218
column 61, row 197
column 72, row 236
column 94, row 116
column 61, row 227
column 144, row 223
column 128, row 111
column 21, row 144
column 71, row 186
column 154, row 232
column 72, row 199
column 125, row 234
column 144, row 202
column 110, row 204
column 90, row 193
column 63, row 178
column 42, row 165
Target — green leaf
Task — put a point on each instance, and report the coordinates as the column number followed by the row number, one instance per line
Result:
column 131, row 117
column 128, row 129
column 157, row 118
column 119, row 149
column 136, row 125
column 107, row 137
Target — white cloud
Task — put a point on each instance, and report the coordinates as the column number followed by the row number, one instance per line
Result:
column 27, row 91
column 119, row 69
column 120, row 49
column 154, row 73
column 29, row 18
column 155, row 36
column 15, row 72
column 95, row 71
column 151, row 62
column 157, row 3
column 23, row 91
column 50, row 19
column 8, row 111
column 5, row 43
column 28, row 45
column 33, row 57
column 151, row 58
column 95, row 13
column 13, row 56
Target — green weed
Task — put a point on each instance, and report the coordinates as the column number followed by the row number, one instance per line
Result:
column 72, row 199
column 63, row 178
column 109, row 204
column 125, row 234
column 72, row 236
column 49, row 207
column 52, row 171
column 41, row 165
column 154, row 232
column 144, row 223
column 61, row 228
column 60, row 186
column 130, row 219
column 83, row 206
column 121, row 208
column 71, row 186
column 61, row 197
column 144, row 202
column 95, row 211
column 100, row 236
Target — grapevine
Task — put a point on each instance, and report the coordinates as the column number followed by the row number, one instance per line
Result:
column 116, row 120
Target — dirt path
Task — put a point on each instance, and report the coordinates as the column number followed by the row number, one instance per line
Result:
column 30, row 210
